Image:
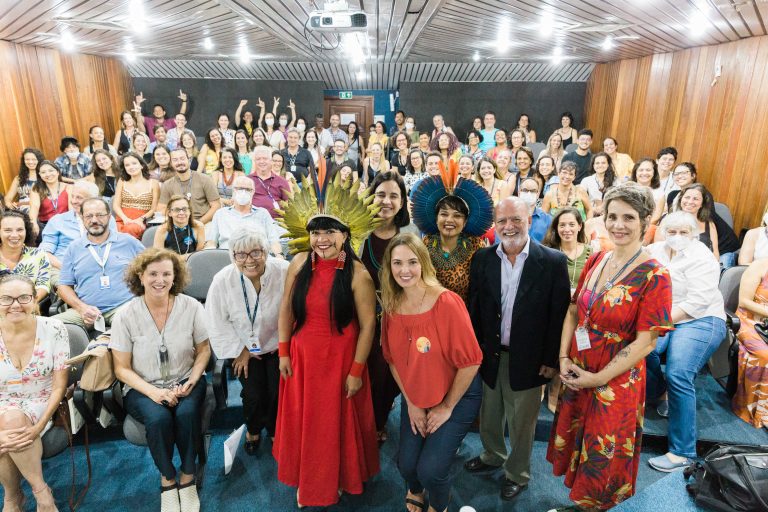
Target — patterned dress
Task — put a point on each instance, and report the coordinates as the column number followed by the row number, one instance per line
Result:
column 33, row 264
column 597, row 435
column 50, row 352
column 453, row 268
column 751, row 400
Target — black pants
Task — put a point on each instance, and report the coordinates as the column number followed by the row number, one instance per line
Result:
column 260, row 393
column 384, row 389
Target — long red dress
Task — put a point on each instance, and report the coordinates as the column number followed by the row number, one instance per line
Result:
column 323, row 441
column 597, row 433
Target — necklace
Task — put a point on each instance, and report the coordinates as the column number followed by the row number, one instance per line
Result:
column 611, row 280
column 567, row 198
column 227, row 182
column 187, row 240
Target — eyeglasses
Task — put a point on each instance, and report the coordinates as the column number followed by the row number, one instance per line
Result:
column 254, row 255
column 92, row 216
column 7, row 300
column 680, row 173
column 319, row 233
column 183, row 209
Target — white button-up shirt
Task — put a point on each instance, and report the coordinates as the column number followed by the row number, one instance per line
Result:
column 226, row 220
column 510, row 280
column 229, row 328
column 695, row 274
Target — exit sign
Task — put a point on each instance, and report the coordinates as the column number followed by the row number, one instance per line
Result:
column 345, row 95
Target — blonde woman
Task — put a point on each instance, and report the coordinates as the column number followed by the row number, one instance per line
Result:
column 374, row 163
column 554, row 149
column 490, row 178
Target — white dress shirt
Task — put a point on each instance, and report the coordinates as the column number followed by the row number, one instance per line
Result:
column 510, row 280
column 229, row 328
column 226, row 220
column 695, row 274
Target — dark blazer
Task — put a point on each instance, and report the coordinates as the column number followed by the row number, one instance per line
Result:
column 541, row 303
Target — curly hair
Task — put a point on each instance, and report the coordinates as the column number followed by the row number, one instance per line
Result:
column 24, row 170
column 453, row 143
column 29, row 235
column 153, row 255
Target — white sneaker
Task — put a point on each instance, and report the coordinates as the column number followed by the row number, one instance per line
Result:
column 169, row 500
column 188, row 498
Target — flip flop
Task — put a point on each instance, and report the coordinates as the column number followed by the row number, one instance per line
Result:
column 410, row 501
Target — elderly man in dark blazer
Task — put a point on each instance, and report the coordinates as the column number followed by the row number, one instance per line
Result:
column 519, row 292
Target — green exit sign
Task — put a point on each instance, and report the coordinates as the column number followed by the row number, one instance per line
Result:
column 345, row 95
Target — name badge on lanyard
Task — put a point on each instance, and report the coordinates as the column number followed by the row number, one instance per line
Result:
column 582, row 339
column 102, row 262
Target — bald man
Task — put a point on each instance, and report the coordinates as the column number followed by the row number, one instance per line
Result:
column 519, row 292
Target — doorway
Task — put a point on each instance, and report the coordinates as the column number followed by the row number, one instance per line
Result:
column 358, row 109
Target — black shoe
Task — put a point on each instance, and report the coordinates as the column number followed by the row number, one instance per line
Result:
column 510, row 489
column 476, row 465
column 251, row 447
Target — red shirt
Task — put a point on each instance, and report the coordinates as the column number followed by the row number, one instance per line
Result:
column 428, row 349
column 266, row 192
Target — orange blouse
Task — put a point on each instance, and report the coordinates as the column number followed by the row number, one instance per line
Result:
column 427, row 349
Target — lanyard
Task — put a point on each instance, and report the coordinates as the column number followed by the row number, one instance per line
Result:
column 608, row 284
column 102, row 262
column 251, row 317
column 266, row 188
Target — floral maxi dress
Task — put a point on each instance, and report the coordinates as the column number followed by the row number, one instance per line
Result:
column 597, row 433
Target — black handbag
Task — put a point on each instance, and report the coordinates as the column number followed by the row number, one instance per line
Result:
column 762, row 329
column 731, row 479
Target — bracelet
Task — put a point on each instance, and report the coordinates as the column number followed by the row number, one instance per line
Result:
column 357, row 369
column 283, row 349
column 564, row 357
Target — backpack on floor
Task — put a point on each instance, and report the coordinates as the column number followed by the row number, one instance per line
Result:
column 731, row 479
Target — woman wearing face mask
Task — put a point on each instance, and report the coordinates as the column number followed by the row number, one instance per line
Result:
column 141, row 146
column 356, row 148
column 180, row 232
column 452, row 232
column 160, row 166
column 227, row 133
column 601, row 177
column 274, row 136
column 388, row 190
column 301, row 126
column 21, row 186
column 565, row 193
column 104, row 172
column 96, row 141
column 699, row 318
column 282, row 121
column 410, row 130
column 50, row 196
column 229, row 169
column 136, row 196
column 545, row 174
column 208, row 158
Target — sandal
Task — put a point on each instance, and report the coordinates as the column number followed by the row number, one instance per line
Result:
column 252, row 446
column 382, row 436
column 422, row 505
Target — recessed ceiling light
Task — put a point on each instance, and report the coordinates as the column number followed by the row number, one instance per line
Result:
column 476, row 56
column 361, row 74
column 697, row 24
column 207, row 43
column 608, row 43
column 557, row 56
column 67, row 42
column 546, row 26
column 245, row 57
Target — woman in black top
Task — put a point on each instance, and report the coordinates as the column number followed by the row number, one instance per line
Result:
column 399, row 159
column 181, row 233
column 104, row 172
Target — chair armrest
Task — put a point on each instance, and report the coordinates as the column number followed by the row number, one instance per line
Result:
column 733, row 322
column 89, row 411
column 56, row 304
column 220, row 390
column 112, row 399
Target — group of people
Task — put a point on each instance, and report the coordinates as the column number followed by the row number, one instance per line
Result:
column 498, row 275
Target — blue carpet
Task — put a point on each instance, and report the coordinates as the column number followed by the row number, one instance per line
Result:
column 670, row 490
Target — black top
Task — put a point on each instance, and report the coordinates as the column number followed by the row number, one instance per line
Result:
column 299, row 163
column 181, row 240
column 394, row 163
column 582, row 164
column 124, row 145
column 109, row 186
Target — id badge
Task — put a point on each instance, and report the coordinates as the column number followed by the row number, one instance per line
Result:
column 254, row 347
column 293, row 169
column 275, row 205
column 104, row 282
column 582, row 339
column 14, row 384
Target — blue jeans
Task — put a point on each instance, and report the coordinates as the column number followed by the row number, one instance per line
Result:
column 688, row 349
column 169, row 426
column 727, row 260
column 426, row 462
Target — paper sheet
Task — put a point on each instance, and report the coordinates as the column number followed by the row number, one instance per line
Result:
column 230, row 448
column 345, row 119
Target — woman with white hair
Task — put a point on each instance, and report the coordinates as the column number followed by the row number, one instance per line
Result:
column 242, row 304
column 699, row 318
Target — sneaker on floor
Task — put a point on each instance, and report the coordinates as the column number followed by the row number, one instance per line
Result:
column 663, row 408
column 667, row 465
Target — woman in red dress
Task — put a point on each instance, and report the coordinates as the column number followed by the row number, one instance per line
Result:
column 622, row 304
column 325, row 439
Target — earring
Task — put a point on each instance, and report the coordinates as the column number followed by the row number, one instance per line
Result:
column 341, row 260
column 314, row 263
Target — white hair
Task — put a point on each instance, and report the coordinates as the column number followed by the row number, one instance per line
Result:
column 86, row 186
column 680, row 219
column 246, row 239
column 262, row 149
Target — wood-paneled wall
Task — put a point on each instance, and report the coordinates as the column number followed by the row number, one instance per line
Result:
column 47, row 94
column 670, row 100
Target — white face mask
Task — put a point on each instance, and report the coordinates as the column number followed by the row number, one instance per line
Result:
column 73, row 154
column 678, row 242
column 301, row 127
column 283, row 121
column 529, row 198
column 409, row 126
column 241, row 197
column 269, row 122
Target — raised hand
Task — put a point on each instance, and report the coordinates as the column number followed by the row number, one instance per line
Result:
column 140, row 98
column 291, row 105
column 182, row 95
column 260, row 103
column 243, row 102
column 277, row 100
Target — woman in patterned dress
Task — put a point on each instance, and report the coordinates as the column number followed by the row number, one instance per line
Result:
column 750, row 402
column 136, row 196
column 17, row 256
column 621, row 305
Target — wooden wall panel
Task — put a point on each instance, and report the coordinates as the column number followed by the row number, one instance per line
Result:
column 670, row 100
column 48, row 94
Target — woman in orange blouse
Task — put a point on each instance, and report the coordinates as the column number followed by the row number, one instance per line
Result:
column 428, row 341
column 136, row 196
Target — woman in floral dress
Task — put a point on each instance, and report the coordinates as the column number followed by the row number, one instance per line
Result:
column 622, row 304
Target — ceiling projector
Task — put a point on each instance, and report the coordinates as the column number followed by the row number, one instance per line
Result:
column 337, row 17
